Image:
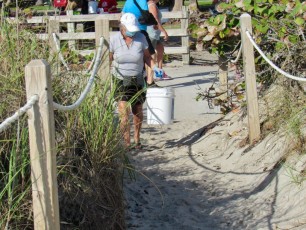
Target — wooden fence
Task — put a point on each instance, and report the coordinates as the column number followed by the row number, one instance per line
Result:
column 73, row 34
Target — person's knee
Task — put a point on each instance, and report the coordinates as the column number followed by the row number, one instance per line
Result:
column 137, row 110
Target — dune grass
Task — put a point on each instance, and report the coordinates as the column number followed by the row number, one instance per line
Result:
column 90, row 158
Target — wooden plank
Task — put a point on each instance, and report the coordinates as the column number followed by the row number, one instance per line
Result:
column 75, row 18
column 85, row 52
column 168, row 50
column 42, row 146
column 176, row 32
column 250, row 78
column 177, row 50
column 176, row 14
column 93, row 17
column 77, row 36
column 91, row 35
column 102, row 30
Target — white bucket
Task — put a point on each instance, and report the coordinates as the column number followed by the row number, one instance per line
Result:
column 92, row 7
column 160, row 106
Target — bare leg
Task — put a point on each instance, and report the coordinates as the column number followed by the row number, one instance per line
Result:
column 124, row 111
column 150, row 78
column 160, row 54
column 137, row 119
column 150, row 74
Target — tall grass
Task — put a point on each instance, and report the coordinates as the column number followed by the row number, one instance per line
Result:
column 17, row 49
column 89, row 152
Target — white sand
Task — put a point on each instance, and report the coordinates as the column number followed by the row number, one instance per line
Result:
column 185, row 180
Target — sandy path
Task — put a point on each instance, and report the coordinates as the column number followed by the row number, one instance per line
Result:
column 186, row 180
column 166, row 193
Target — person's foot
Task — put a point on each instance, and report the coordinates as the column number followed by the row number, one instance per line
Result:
column 166, row 77
column 153, row 85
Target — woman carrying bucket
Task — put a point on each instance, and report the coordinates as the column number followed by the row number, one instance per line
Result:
column 128, row 53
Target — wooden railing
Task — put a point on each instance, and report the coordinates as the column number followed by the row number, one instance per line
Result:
column 72, row 21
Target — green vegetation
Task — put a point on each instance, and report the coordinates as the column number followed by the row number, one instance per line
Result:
column 278, row 28
column 90, row 157
column 201, row 3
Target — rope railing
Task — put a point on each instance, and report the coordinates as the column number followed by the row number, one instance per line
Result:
column 62, row 57
column 8, row 121
column 89, row 83
column 270, row 62
column 238, row 55
column 92, row 62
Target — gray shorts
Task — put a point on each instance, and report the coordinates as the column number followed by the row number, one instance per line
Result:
column 155, row 42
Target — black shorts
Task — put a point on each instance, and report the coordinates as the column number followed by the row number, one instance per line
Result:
column 151, row 48
column 133, row 93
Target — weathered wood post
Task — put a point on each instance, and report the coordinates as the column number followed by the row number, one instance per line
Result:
column 71, row 29
column 250, row 78
column 102, row 29
column 54, row 27
column 222, row 74
column 185, row 39
column 42, row 146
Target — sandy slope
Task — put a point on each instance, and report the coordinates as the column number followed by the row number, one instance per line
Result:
column 194, row 176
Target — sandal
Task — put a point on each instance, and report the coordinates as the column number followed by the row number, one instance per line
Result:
column 136, row 146
column 166, row 77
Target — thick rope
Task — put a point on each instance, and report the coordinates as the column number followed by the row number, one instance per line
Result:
column 59, row 51
column 271, row 63
column 238, row 55
column 89, row 83
column 8, row 121
column 63, row 60
column 92, row 63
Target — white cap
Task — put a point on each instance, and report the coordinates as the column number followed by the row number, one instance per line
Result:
column 130, row 22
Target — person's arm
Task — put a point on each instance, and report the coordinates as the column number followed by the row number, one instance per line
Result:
column 153, row 10
column 113, row 6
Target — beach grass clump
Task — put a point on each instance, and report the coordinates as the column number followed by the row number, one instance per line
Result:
column 17, row 48
column 89, row 152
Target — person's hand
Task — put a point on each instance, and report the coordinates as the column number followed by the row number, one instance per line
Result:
column 166, row 37
column 158, row 73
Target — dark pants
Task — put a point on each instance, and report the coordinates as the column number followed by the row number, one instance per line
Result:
column 134, row 93
column 151, row 48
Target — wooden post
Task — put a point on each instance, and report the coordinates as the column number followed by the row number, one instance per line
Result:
column 54, row 27
column 185, row 39
column 42, row 146
column 250, row 78
column 70, row 28
column 223, row 69
column 102, row 29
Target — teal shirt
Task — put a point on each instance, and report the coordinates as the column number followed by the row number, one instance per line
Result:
column 130, row 7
